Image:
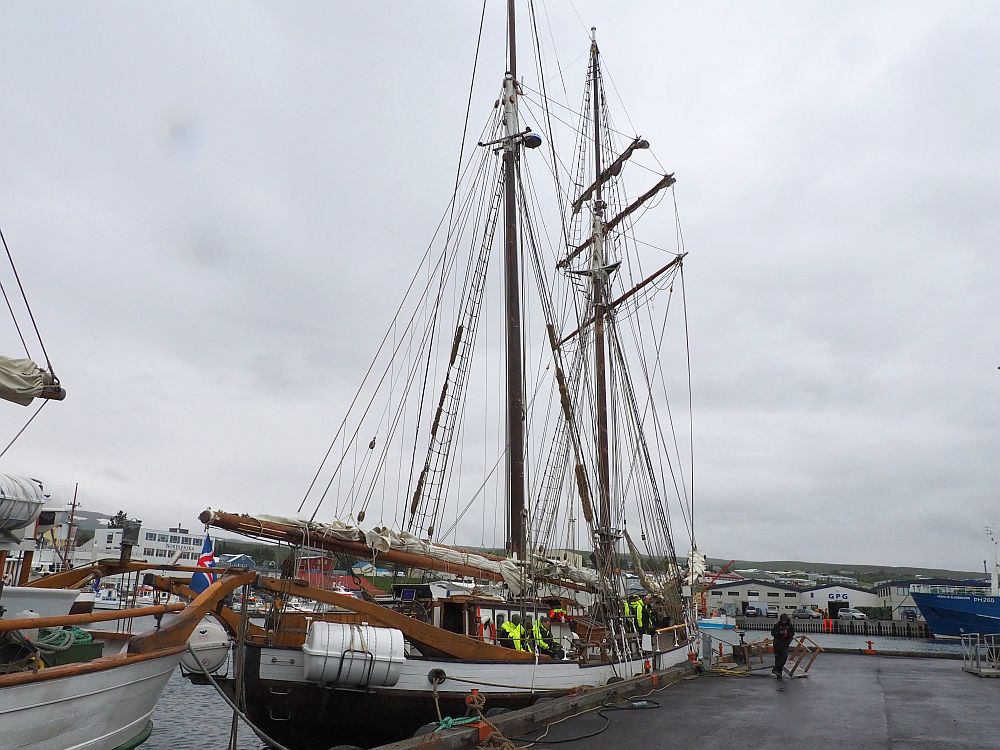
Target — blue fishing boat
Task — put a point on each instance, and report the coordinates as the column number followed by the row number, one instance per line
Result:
column 954, row 611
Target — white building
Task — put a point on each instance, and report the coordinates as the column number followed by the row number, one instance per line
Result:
column 733, row 597
column 157, row 546
column 832, row 598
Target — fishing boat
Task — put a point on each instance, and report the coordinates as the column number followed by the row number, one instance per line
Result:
column 583, row 454
column 66, row 684
column 956, row 611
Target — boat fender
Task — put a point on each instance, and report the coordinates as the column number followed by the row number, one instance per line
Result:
column 436, row 677
column 613, row 680
column 30, row 634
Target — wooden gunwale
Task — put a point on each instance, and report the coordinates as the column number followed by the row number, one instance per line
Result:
column 56, row 621
column 97, row 665
column 69, row 579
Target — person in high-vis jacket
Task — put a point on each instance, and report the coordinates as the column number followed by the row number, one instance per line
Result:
column 513, row 634
column 639, row 609
column 545, row 643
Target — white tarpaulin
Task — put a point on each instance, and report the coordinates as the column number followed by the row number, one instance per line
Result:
column 21, row 380
column 381, row 539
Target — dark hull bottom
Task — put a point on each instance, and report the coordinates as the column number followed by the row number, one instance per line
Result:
column 305, row 716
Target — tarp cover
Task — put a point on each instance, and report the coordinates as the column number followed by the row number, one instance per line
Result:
column 20, row 380
column 381, row 539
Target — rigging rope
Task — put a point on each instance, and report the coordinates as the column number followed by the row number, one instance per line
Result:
column 19, row 432
column 31, row 315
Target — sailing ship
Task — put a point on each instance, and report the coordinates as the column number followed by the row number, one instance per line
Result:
column 587, row 441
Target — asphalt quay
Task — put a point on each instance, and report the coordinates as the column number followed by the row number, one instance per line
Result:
column 855, row 701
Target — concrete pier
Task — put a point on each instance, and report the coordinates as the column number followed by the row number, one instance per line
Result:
column 858, row 702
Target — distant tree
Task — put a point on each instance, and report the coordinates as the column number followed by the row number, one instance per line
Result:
column 118, row 520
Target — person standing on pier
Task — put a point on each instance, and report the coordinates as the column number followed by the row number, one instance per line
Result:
column 782, row 632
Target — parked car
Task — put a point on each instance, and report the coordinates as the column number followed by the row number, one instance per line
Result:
column 772, row 610
column 852, row 614
column 753, row 611
column 804, row 613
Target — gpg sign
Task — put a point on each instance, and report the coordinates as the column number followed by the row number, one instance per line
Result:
column 837, row 597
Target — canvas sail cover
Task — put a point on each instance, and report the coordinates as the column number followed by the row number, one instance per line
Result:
column 382, row 539
column 21, row 380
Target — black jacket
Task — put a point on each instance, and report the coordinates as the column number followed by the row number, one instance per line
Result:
column 782, row 632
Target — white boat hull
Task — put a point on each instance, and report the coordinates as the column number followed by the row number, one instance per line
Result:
column 287, row 665
column 310, row 716
column 46, row 602
column 99, row 710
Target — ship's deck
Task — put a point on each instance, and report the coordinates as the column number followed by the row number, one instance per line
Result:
column 855, row 702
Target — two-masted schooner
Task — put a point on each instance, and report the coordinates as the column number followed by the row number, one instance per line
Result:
column 585, row 443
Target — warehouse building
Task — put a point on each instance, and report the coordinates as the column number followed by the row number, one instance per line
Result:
column 734, row 597
column 830, row 599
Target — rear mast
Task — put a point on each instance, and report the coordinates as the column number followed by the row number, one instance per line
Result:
column 512, row 299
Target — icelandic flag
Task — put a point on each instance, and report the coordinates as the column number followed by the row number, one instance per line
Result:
column 201, row 581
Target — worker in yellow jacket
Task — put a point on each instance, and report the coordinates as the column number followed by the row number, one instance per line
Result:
column 513, row 634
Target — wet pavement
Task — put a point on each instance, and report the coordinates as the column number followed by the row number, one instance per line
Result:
column 856, row 702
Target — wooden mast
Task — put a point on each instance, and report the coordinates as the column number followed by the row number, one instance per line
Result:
column 598, row 276
column 512, row 299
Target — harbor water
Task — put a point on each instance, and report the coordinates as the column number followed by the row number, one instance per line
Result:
column 194, row 717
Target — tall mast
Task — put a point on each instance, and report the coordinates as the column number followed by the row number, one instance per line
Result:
column 598, row 276
column 512, row 298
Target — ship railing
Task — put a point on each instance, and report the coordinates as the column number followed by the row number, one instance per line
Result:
column 954, row 590
column 981, row 654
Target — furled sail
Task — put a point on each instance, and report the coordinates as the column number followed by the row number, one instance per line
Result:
column 21, row 381
column 400, row 547
column 382, row 540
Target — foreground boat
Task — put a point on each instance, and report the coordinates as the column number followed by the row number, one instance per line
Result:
column 68, row 686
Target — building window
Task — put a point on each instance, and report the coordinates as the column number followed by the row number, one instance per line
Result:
column 773, row 593
column 150, row 537
column 186, row 540
column 175, row 539
column 161, row 553
column 149, row 552
column 161, row 537
column 734, row 593
column 111, row 538
column 789, row 594
column 716, row 593
column 753, row 593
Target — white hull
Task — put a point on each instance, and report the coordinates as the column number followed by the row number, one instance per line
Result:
column 92, row 711
column 46, row 602
column 287, row 665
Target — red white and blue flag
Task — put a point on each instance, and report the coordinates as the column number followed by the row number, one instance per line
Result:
column 201, row 581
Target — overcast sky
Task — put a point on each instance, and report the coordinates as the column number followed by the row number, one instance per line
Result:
column 214, row 209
